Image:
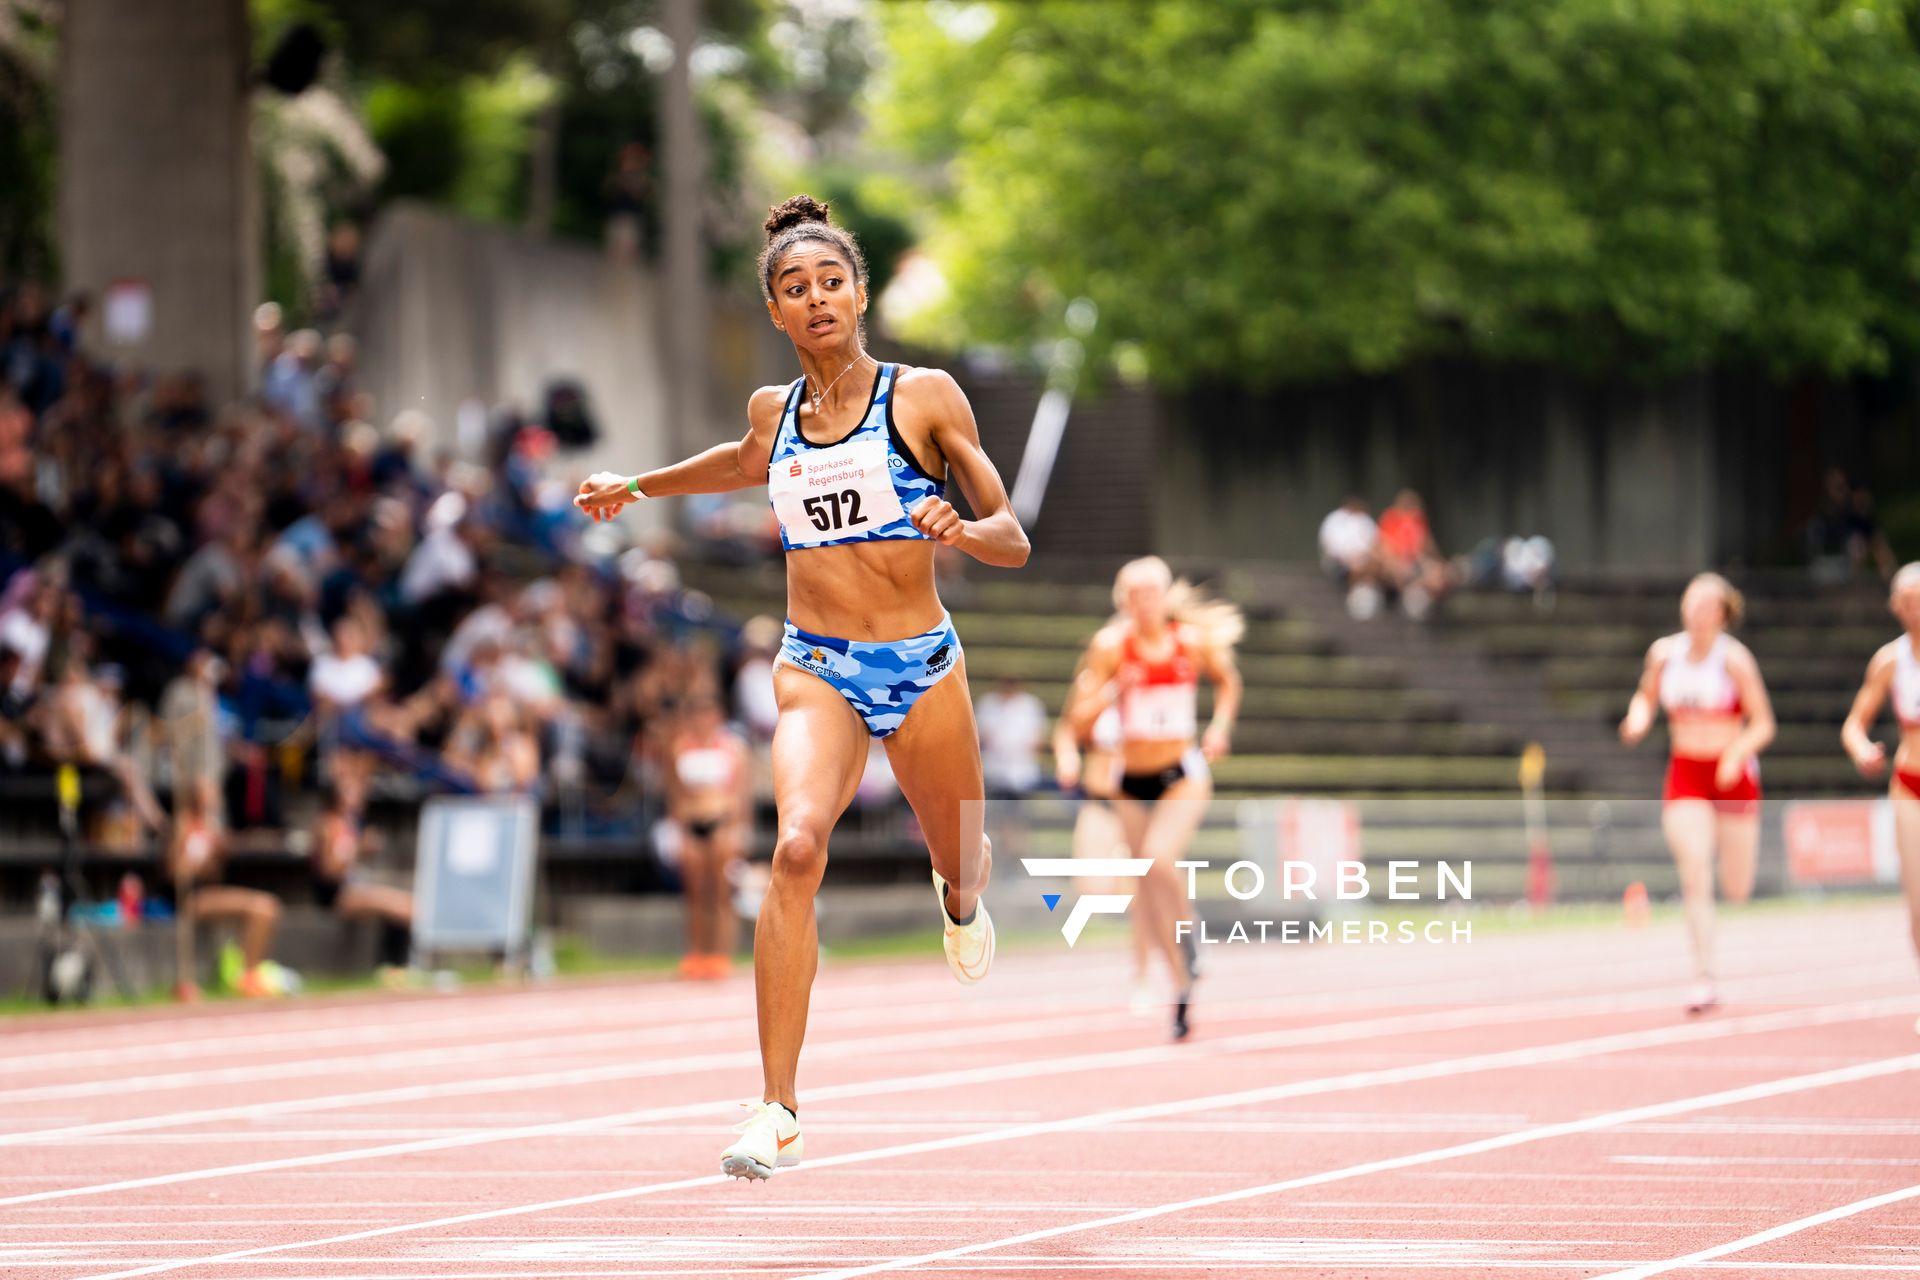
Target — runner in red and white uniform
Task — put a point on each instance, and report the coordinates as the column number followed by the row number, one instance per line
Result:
column 709, row 798
column 1148, row 662
column 1719, row 719
column 1895, row 671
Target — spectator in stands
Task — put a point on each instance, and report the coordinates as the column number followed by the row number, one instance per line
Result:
column 630, row 204
column 197, row 733
column 292, row 384
column 68, row 324
column 28, row 609
column 753, row 699
column 342, row 885
column 16, row 707
column 343, row 681
column 1409, row 557
column 83, row 726
column 195, row 857
column 1349, row 552
column 493, row 747
column 1866, row 544
column 1013, row 724
column 269, row 336
column 340, row 275
column 444, row 564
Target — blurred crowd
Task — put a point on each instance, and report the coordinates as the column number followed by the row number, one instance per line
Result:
column 220, row 608
column 1395, row 559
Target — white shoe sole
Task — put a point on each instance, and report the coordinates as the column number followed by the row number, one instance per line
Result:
column 751, row 1169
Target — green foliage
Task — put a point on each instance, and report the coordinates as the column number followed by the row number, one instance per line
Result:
column 462, row 143
column 1261, row 191
column 28, row 147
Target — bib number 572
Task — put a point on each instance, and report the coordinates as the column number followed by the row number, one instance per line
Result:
column 831, row 511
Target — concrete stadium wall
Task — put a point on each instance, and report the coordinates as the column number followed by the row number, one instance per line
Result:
column 450, row 309
column 1694, row 472
column 156, row 177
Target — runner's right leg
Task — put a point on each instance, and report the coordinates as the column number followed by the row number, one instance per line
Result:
column 819, row 751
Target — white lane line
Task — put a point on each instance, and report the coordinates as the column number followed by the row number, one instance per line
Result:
column 517, row 1012
column 1531, row 1056
column 683, row 1064
column 558, row 1044
column 1766, row 1237
column 1802, row 981
column 629, row 1007
column 1538, row 1133
column 1363, row 1029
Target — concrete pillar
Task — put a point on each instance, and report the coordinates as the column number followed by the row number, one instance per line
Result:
column 156, row 178
column 684, row 249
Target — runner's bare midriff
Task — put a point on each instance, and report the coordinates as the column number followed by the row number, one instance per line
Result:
column 1907, row 756
column 864, row 590
column 1151, row 755
column 1703, row 737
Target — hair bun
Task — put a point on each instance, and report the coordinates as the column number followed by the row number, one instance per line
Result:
column 794, row 211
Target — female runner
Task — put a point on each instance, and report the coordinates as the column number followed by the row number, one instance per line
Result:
column 854, row 455
column 1090, row 765
column 1720, row 720
column 1895, row 670
column 710, row 799
column 1148, row 663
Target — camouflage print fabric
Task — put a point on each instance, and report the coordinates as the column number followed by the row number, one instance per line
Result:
column 879, row 679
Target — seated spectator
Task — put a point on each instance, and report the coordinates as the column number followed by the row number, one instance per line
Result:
column 1866, row 544
column 1349, row 546
column 494, row 749
column 1013, row 724
column 343, row 682
column 16, row 711
column 342, row 885
column 1409, row 558
column 83, row 726
column 198, row 734
column 195, row 857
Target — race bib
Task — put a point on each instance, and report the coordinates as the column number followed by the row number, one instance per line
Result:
column 826, row 495
column 1159, row 713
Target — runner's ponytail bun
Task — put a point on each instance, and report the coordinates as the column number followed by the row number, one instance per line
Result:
column 794, row 211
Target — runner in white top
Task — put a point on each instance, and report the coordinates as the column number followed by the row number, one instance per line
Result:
column 1148, row 663
column 1720, row 719
column 1895, row 671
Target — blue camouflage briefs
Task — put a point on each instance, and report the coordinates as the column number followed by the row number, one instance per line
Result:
column 880, row 679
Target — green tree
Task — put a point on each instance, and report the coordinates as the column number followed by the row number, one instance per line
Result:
column 1261, row 191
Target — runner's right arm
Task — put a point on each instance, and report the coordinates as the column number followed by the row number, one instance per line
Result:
column 1869, row 757
column 740, row 464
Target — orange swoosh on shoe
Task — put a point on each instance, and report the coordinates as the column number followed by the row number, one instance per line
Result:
column 787, row 1142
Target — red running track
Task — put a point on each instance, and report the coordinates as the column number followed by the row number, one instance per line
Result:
column 1530, row 1104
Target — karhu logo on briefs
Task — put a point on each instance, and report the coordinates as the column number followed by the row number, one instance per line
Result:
column 1093, row 904
column 940, row 658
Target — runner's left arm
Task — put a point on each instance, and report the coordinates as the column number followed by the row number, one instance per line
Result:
column 994, row 536
column 1760, row 726
column 1227, row 687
